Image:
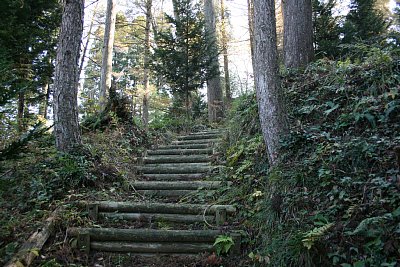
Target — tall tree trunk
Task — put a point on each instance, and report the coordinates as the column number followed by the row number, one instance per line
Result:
column 45, row 102
column 228, row 92
column 214, row 90
column 88, row 39
column 21, row 111
column 106, row 66
column 66, row 125
column 146, row 65
column 298, row 33
column 269, row 94
column 250, row 16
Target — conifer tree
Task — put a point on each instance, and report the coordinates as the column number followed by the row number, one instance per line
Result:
column 326, row 28
column 184, row 53
column 363, row 22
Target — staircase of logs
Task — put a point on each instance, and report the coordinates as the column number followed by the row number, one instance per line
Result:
column 169, row 173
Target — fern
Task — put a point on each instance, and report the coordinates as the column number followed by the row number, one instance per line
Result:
column 315, row 234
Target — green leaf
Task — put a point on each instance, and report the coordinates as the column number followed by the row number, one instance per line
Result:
column 359, row 264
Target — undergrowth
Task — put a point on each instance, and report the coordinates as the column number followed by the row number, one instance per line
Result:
column 37, row 179
column 333, row 200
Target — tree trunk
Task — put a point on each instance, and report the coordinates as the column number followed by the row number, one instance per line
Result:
column 298, row 33
column 214, row 90
column 66, row 126
column 88, row 39
column 45, row 102
column 106, row 66
column 250, row 11
column 21, row 111
column 228, row 93
column 146, row 65
column 269, row 94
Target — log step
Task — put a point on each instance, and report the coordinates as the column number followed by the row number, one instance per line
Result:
column 180, row 151
column 174, row 177
column 199, row 136
column 154, row 207
column 166, row 193
column 166, row 248
column 145, row 235
column 175, row 168
column 148, row 240
column 197, row 141
column 151, row 217
column 171, row 185
column 177, row 159
column 184, row 146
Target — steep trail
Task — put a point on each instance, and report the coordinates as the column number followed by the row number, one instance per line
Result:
column 168, row 221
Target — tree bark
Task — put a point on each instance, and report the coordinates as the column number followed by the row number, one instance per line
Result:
column 66, row 126
column 228, row 93
column 87, row 39
column 298, row 33
column 145, row 107
column 21, row 111
column 214, row 90
column 106, row 66
column 45, row 102
column 250, row 11
column 269, row 94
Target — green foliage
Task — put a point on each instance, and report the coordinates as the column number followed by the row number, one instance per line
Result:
column 223, row 244
column 363, row 22
column 27, row 42
column 326, row 29
column 334, row 198
column 184, row 51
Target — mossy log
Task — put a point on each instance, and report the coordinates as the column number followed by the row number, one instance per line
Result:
column 169, row 248
column 197, row 141
column 176, row 218
column 177, row 159
column 199, row 136
column 174, row 177
column 184, row 146
column 175, row 185
column 180, row 151
column 175, row 168
column 30, row 249
column 145, row 235
column 166, row 193
column 151, row 207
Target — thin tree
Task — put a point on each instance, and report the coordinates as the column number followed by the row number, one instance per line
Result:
column 146, row 64
column 106, row 66
column 228, row 93
column 297, row 33
column 214, row 89
column 269, row 93
column 66, row 126
column 250, row 17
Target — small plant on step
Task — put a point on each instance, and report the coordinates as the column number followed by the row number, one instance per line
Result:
column 223, row 244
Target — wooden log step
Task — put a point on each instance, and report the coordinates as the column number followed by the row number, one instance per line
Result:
column 197, row 141
column 177, row 159
column 185, row 146
column 175, row 168
column 154, row 207
column 202, row 151
column 169, row 248
column 145, row 235
column 166, row 193
column 212, row 131
column 174, row 177
column 199, row 136
column 176, row 218
column 179, row 185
